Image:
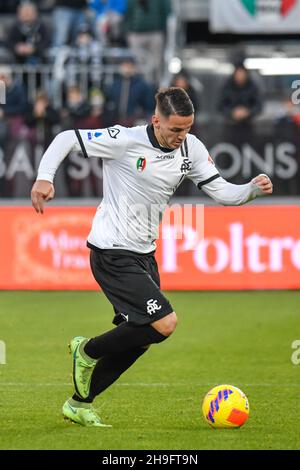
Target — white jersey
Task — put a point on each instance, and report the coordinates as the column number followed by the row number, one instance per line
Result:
column 139, row 178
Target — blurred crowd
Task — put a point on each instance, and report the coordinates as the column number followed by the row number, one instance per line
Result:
column 40, row 32
column 67, row 34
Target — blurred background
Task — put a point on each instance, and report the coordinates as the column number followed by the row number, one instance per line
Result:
column 96, row 63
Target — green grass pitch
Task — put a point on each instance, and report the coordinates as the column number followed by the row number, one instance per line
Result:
column 243, row 339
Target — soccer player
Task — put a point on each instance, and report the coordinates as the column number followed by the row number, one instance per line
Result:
column 142, row 167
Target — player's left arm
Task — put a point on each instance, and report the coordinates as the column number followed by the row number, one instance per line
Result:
column 206, row 177
column 229, row 194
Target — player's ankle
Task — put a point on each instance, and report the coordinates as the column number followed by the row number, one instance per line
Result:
column 77, row 402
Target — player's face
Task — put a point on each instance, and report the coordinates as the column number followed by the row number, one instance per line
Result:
column 171, row 131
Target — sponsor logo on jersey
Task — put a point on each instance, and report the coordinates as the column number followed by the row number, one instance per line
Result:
column 94, row 135
column 113, row 132
column 141, row 164
column 152, row 306
column 165, row 157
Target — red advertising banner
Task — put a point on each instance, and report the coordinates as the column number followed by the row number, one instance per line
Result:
column 249, row 247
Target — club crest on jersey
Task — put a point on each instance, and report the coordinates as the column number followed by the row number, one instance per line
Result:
column 185, row 166
column 141, row 164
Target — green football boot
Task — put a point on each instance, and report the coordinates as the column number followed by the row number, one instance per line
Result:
column 83, row 366
column 82, row 413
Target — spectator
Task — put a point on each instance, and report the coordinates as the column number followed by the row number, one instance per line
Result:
column 129, row 97
column 15, row 94
column 41, row 117
column 13, row 111
column 239, row 103
column 109, row 17
column 87, row 51
column 76, row 110
column 240, row 98
column 97, row 105
column 28, row 38
column 183, row 80
column 145, row 24
column 68, row 15
column 289, row 113
column 79, row 114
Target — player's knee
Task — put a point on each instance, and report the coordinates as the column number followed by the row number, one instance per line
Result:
column 167, row 325
column 170, row 324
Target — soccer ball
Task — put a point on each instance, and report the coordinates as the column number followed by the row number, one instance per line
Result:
column 225, row 406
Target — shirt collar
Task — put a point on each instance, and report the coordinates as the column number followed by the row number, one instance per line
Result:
column 154, row 141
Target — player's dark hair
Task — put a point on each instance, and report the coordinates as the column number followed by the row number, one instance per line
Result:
column 174, row 100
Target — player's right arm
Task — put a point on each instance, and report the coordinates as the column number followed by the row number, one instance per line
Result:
column 43, row 189
column 103, row 143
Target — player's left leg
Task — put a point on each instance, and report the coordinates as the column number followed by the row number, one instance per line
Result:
column 110, row 366
column 106, row 372
column 108, row 369
column 86, row 353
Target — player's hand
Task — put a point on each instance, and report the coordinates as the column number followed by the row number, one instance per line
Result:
column 42, row 191
column 264, row 183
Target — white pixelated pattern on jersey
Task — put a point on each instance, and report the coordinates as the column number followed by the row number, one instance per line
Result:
column 138, row 181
